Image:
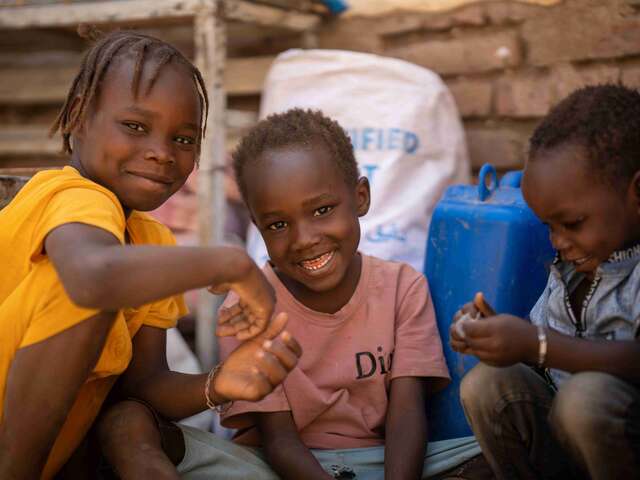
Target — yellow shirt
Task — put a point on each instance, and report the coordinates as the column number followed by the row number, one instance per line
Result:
column 34, row 305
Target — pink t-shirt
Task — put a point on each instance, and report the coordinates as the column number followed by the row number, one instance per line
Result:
column 338, row 393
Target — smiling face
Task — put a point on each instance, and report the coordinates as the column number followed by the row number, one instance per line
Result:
column 588, row 217
column 142, row 149
column 308, row 217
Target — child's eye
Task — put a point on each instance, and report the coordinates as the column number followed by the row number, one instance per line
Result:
column 573, row 224
column 318, row 212
column 185, row 140
column 134, row 126
column 275, row 226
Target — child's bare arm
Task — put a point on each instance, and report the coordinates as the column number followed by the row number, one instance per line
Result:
column 249, row 373
column 287, row 455
column 617, row 357
column 43, row 381
column 98, row 272
column 406, row 429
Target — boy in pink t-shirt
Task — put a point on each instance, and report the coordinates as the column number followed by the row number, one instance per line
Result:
column 355, row 405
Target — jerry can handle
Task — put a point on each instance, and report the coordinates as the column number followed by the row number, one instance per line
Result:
column 483, row 190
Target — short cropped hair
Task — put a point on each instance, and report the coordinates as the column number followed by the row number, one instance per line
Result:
column 101, row 56
column 296, row 127
column 604, row 120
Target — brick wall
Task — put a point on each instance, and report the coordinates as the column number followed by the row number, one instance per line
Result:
column 506, row 63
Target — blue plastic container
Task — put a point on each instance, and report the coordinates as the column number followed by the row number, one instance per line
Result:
column 482, row 238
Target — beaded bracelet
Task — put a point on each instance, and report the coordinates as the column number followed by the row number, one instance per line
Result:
column 542, row 346
column 223, row 407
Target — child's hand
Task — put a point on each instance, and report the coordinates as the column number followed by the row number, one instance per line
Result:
column 469, row 312
column 250, row 316
column 501, row 340
column 257, row 366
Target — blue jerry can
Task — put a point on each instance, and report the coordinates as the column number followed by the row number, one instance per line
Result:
column 481, row 238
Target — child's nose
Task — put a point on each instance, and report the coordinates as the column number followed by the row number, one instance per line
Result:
column 559, row 241
column 159, row 152
column 304, row 236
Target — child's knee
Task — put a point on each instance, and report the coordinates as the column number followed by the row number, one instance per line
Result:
column 473, row 385
column 484, row 386
column 133, row 442
column 125, row 422
column 584, row 407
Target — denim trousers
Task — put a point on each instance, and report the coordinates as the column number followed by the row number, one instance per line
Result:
column 588, row 428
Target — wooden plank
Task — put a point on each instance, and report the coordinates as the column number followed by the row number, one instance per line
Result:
column 24, row 171
column 49, row 84
column 112, row 12
column 38, row 85
column 28, row 140
column 210, row 42
column 243, row 11
column 39, row 162
column 135, row 11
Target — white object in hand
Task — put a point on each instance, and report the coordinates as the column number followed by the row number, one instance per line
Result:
column 462, row 320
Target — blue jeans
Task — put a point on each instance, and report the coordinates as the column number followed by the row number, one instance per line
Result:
column 526, row 430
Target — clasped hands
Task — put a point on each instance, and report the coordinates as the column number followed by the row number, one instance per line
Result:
column 499, row 340
column 267, row 353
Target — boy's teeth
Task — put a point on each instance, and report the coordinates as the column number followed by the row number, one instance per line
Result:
column 317, row 263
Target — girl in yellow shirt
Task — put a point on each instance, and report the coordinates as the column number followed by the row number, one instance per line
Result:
column 89, row 283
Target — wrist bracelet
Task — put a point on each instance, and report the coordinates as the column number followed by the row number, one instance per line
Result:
column 223, row 407
column 542, row 346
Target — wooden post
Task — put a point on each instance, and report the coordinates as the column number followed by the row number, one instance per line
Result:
column 210, row 45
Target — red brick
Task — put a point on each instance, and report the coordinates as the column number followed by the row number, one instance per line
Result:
column 581, row 31
column 407, row 22
column 630, row 75
column 356, row 34
column 503, row 147
column 566, row 78
column 473, row 97
column 523, row 96
column 510, row 12
column 470, row 16
column 469, row 54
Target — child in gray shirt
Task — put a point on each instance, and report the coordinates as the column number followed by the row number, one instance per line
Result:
column 582, row 179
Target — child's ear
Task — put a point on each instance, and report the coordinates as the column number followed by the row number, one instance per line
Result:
column 363, row 196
